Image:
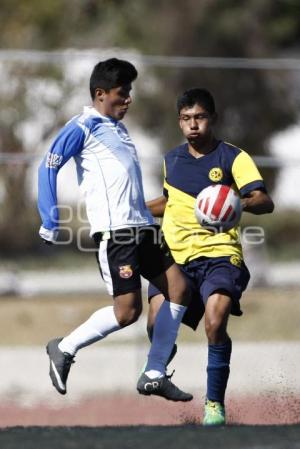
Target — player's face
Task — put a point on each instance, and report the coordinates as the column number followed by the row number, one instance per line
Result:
column 115, row 102
column 196, row 124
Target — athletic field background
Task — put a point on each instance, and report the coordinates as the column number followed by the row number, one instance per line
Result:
column 264, row 387
column 102, row 409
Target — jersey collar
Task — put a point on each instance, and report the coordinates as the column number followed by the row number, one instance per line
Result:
column 90, row 110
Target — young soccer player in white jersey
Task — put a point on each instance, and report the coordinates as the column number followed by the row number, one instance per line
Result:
column 121, row 225
column 212, row 262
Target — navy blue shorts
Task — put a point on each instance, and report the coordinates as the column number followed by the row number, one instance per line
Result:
column 207, row 275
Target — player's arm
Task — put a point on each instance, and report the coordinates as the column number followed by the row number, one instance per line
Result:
column 257, row 202
column 68, row 143
column 255, row 198
column 157, row 206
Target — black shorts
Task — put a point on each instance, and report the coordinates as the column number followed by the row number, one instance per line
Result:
column 130, row 253
column 206, row 275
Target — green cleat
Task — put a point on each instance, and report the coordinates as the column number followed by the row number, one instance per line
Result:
column 214, row 414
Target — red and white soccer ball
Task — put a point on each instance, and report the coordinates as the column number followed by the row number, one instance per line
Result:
column 218, row 207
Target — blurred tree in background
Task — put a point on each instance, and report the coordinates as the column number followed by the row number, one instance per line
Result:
column 27, row 96
column 252, row 104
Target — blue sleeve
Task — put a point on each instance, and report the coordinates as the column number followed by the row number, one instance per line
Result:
column 68, row 143
column 255, row 185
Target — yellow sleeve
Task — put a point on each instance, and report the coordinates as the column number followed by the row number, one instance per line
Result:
column 244, row 170
column 165, row 185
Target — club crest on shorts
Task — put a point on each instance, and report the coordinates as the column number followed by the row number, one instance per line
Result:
column 236, row 261
column 125, row 271
column 215, row 174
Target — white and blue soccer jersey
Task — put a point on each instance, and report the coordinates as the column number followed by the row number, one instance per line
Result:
column 108, row 173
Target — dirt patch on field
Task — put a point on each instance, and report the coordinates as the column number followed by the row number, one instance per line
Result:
column 116, row 410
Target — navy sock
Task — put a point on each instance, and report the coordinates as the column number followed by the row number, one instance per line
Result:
column 218, row 371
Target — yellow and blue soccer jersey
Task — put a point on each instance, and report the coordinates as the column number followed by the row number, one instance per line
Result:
column 185, row 176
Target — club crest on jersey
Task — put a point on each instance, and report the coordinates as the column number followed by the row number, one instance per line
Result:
column 236, row 261
column 125, row 271
column 215, row 174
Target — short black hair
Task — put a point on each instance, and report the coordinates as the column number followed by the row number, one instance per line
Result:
column 111, row 73
column 196, row 96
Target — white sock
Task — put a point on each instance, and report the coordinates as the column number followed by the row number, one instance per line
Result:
column 98, row 326
column 165, row 333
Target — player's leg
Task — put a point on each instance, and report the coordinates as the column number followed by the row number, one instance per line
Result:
column 191, row 318
column 168, row 317
column 193, row 314
column 173, row 285
column 226, row 279
column 155, row 301
column 125, row 311
column 167, row 321
column 161, row 270
column 157, row 265
column 217, row 310
column 123, row 282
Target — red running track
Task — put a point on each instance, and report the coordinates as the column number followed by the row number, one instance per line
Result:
column 110, row 410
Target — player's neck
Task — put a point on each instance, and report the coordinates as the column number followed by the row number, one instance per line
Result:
column 200, row 149
column 100, row 110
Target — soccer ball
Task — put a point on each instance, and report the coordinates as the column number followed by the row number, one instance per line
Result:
column 218, row 208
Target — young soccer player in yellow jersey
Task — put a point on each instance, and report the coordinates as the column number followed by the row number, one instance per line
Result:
column 212, row 262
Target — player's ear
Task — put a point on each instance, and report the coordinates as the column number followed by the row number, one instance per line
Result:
column 179, row 122
column 99, row 94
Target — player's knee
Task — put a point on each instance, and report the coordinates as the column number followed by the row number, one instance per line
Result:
column 181, row 293
column 215, row 330
column 129, row 316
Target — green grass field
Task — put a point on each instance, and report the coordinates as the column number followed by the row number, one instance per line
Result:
column 269, row 314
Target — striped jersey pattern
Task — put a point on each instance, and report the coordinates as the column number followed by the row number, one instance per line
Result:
column 108, row 173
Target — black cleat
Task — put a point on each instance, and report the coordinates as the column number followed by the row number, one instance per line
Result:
column 60, row 364
column 162, row 386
